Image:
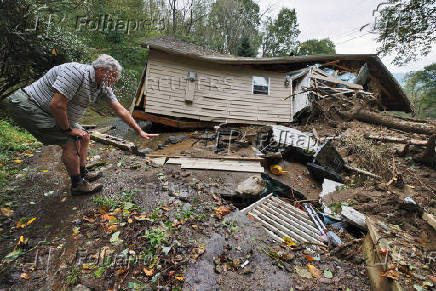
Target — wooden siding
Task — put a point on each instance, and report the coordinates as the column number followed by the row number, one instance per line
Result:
column 221, row 92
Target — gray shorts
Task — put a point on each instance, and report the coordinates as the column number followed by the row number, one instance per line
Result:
column 27, row 114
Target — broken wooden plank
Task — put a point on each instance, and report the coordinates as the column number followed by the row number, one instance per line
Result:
column 250, row 167
column 393, row 139
column 171, row 122
column 354, row 217
column 337, row 81
column 113, row 140
column 363, row 172
column 230, row 158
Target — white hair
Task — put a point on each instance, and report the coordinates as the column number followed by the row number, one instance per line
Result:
column 107, row 62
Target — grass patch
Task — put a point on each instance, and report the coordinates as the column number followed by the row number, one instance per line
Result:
column 73, row 276
column 14, row 142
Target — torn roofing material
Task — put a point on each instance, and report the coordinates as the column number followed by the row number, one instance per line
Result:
column 394, row 97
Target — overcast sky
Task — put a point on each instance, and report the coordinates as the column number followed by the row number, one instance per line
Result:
column 340, row 20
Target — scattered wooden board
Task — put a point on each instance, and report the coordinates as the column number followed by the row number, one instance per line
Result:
column 113, row 140
column 213, row 164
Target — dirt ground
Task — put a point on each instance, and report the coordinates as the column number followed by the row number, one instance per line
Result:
column 155, row 238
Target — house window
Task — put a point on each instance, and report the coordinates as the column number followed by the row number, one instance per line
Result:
column 261, row 85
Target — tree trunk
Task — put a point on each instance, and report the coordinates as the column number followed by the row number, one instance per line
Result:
column 428, row 156
column 388, row 121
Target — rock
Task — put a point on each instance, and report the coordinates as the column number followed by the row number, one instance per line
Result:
column 186, row 207
column 144, row 152
column 172, row 139
column 320, row 173
column 160, row 146
column 144, row 124
column 252, row 186
column 80, row 287
column 185, row 174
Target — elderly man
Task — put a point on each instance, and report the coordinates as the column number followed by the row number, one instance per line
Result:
column 51, row 107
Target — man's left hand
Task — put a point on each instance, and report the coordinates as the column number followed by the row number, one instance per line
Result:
column 147, row 135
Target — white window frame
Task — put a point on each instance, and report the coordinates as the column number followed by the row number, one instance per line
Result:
column 252, row 84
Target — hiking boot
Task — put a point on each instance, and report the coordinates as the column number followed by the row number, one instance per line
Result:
column 92, row 176
column 84, row 187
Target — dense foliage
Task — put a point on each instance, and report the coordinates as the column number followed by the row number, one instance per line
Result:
column 316, row 47
column 421, row 88
column 405, row 28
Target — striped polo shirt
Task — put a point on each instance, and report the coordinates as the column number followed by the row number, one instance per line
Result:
column 76, row 82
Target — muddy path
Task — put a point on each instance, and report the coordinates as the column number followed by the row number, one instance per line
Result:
column 137, row 234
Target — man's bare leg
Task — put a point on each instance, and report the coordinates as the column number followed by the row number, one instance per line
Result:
column 83, row 150
column 71, row 159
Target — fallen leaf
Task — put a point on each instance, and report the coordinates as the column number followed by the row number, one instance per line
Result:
column 165, row 208
column 17, row 161
column 194, row 226
column 64, row 199
column 87, row 267
column 384, row 251
column 148, row 272
column 309, row 258
column 180, row 278
column 222, row 210
column 103, row 209
column 76, row 231
column 90, row 220
column 30, row 221
column 391, row 274
column 141, row 217
column 251, row 217
column 328, row 274
column 316, row 273
column 25, row 276
column 22, row 223
column 108, row 218
column 122, row 271
column 44, row 171
column 289, row 241
column 6, row 211
column 113, row 227
column 129, row 220
column 302, row 272
column 115, row 240
column 13, row 255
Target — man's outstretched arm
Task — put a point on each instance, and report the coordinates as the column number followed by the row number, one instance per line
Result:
column 127, row 118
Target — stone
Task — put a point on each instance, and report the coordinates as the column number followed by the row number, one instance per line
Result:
column 252, row 186
column 80, row 287
column 144, row 152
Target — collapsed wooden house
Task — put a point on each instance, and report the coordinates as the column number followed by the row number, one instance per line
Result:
column 185, row 85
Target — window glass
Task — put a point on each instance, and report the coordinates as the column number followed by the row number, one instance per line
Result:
column 261, row 85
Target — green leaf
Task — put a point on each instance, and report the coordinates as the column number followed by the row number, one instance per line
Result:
column 328, row 274
column 13, row 255
column 115, row 240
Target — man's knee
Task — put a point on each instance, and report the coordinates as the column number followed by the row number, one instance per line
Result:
column 85, row 139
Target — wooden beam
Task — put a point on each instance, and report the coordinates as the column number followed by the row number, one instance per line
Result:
column 169, row 121
column 337, row 81
column 212, row 158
